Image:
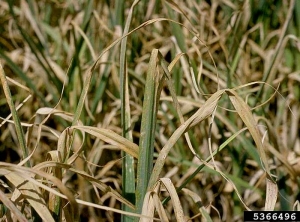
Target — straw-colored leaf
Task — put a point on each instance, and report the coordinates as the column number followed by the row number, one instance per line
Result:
column 53, row 111
column 244, row 112
column 103, row 187
column 63, row 144
column 199, row 203
column 148, row 207
column 112, row 138
column 271, row 195
column 55, row 202
column 296, row 206
column 171, row 87
column 205, row 111
column 159, row 207
column 174, row 198
column 32, row 194
column 11, row 206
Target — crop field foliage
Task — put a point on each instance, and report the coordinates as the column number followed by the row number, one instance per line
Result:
column 154, row 110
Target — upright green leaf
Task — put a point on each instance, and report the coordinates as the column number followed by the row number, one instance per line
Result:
column 128, row 173
column 19, row 129
column 149, row 115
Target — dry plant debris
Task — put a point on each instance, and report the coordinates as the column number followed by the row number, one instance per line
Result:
column 148, row 110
